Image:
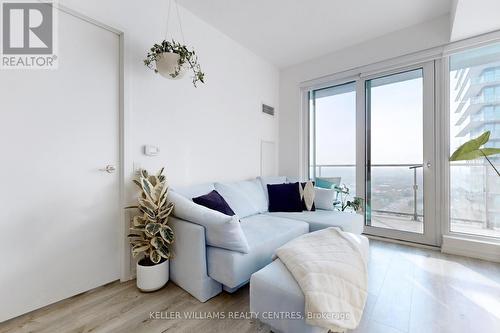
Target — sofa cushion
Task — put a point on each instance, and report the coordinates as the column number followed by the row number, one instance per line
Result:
column 284, row 197
column 220, row 230
column 194, row 190
column 215, row 201
column 245, row 197
column 321, row 219
column 253, row 188
column 264, row 234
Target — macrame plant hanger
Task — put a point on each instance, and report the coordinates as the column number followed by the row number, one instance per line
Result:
column 178, row 20
column 167, row 63
column 173, row 58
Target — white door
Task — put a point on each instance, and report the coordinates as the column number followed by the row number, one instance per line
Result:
column 59, row 211
column 399, row 168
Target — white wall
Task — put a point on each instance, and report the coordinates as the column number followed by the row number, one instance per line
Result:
column 474, row 17
column 413, row 39
column 212, row 132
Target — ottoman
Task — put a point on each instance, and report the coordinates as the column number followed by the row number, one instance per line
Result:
column 278, row 300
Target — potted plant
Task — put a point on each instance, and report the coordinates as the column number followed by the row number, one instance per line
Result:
column 151, row 237
column 356, row 204
column 171, row 59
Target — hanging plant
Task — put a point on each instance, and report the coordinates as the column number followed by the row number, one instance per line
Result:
column 170, row 59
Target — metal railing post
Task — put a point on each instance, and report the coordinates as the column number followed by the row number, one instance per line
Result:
column 415, row 188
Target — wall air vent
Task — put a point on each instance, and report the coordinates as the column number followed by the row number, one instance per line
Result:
column 268, row 109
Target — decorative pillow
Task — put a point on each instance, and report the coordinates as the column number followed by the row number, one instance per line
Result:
column 307, row 196
column 215, row 201
column 220, row 230
column 273, row 180
column 324, row 183
column 284, row 197
column 324, row 198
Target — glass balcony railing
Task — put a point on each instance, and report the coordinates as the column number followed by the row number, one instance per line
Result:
column 397, row 195
column 474, row 199
column 396, row 189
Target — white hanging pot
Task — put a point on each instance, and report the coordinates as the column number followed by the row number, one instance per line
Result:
column 151, row 278
column 167, row 63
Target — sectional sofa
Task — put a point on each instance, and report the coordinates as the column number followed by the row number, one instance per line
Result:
column 204, row 264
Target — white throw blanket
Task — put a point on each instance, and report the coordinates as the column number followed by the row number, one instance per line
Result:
column 330, row 269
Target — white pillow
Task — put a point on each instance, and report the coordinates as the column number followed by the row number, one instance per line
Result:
column 324, row 198
column 220, row 230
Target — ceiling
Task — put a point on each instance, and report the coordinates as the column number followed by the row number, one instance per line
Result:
column 288, row 32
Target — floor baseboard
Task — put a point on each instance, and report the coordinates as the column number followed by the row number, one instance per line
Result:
column 398, row 241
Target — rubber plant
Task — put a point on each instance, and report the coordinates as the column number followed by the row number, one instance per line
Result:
column 474, row 149
column 151, row 235
column 188, row 59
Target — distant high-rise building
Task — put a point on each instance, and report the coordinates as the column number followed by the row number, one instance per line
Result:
column 476, row 92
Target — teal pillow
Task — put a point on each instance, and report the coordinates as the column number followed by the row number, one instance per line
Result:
column 324, row 183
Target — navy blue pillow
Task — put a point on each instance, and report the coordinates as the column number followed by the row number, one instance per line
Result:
column 215, row 201
column 284, row 197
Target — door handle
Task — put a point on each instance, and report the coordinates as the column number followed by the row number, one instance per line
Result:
column 428, row 165
column 109, row 169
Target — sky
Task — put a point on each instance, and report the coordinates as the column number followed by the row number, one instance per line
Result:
column 397, row 125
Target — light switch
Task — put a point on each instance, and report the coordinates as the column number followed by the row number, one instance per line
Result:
column 151, row 150
column 137, row 168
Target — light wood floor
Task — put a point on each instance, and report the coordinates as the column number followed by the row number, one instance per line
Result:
column 411, row 290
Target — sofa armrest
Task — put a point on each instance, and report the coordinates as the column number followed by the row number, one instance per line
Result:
column 188, row 267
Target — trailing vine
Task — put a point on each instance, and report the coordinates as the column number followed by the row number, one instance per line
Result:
column 187, row 59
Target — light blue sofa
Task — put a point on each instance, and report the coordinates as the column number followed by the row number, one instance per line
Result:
column 204, row 271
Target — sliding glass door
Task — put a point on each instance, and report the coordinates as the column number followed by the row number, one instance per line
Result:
column 376, row 134
column 373, row 138
column 399, row 148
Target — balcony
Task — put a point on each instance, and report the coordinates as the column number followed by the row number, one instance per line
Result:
column 477, row 84
column 494, row 78
column 397, row 196
column 481, row 99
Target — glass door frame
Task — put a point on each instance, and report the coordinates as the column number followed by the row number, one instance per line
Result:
column 304, row 133
column 443, row 144
column 439, row 55
column 311, row 100
column 432, row 229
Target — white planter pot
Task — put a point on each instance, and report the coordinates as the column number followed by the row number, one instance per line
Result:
column 167, row 63
column 151, row 278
